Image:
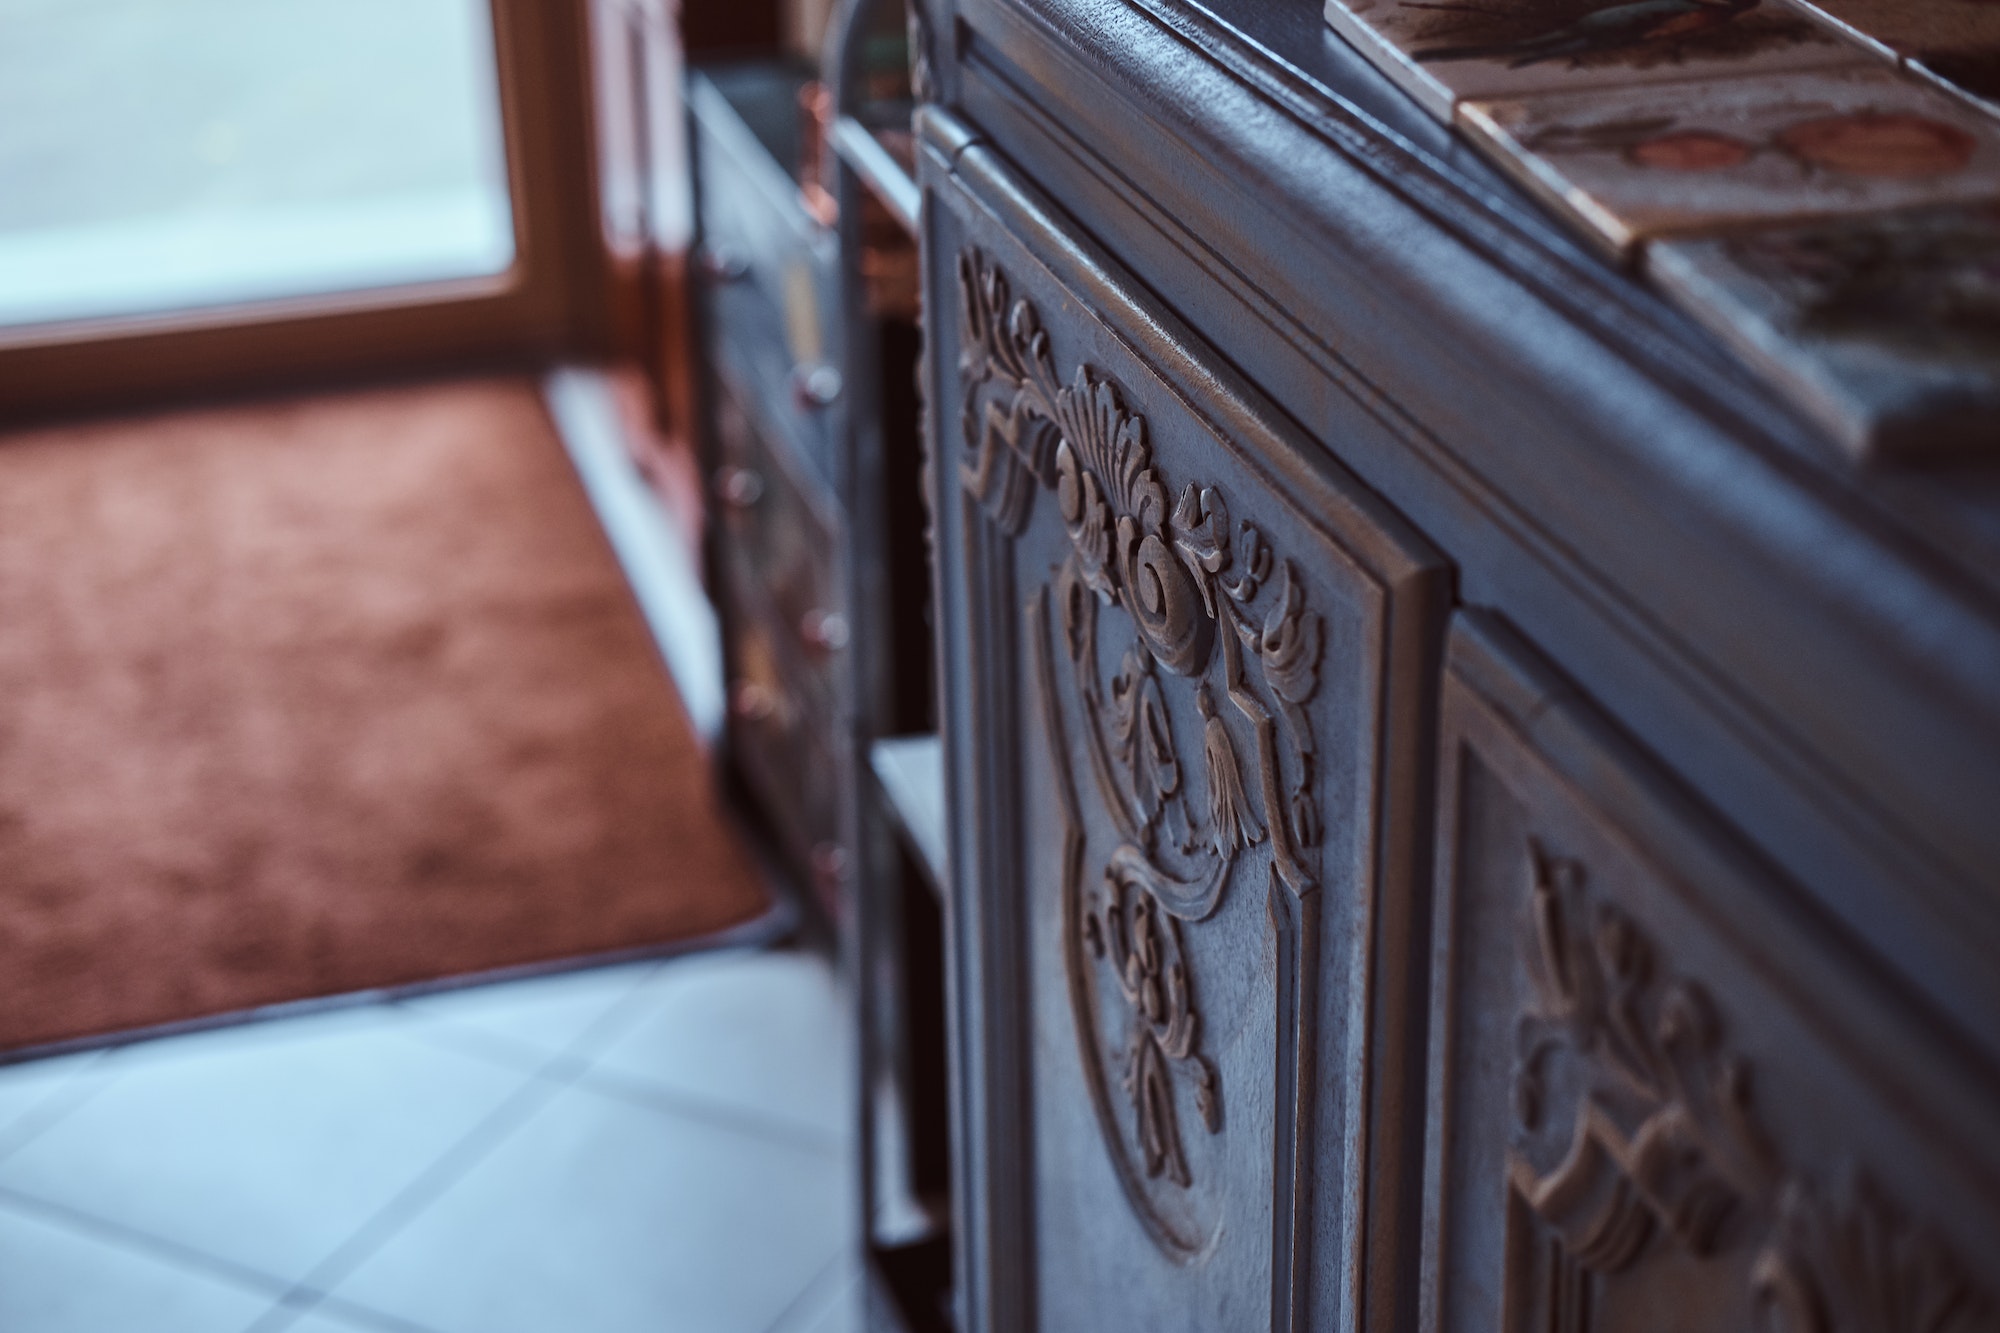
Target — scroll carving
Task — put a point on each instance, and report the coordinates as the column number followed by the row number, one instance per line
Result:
column 1127, row 926
column 1158, row 607
column 1653, row 1141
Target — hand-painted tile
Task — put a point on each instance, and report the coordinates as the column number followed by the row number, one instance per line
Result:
column 1955, row 41
column 1447, row 51
column 1649, row 162
column 1886, row 329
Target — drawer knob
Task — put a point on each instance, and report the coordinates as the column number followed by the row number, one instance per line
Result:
column 739, row 487
column 824, row 632
column 829, row 867
column 816, row 385
column 722, row 264
column 751, row 702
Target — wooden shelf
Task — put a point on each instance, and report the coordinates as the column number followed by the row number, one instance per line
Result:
column 874, row 158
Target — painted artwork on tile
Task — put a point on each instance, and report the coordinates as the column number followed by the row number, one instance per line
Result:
column 1887, row 328
column 1646, row 162
column 1447, row 51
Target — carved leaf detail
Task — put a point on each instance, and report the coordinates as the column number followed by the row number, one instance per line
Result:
column 1291, row 645
column 1201, row 528
column 1088, row 518
column 1662, row 1136
column 1663, row 1142
column 1253, row 568
column 1146, row 742
column 1858, row 1265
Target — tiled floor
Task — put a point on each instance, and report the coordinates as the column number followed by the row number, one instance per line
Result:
column 656, row 1146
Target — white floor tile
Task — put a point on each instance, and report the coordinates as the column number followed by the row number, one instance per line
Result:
column 601, row 1217
column 57, row 1280
column 843, row 1313
column 325, row 1320
column 267, row 1145
column 832, row 1304
column 35, row 1091
column 546, row 1015
column 765, row 1032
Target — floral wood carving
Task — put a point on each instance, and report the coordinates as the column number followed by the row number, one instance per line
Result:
column 1657, row 1142
column 1193, row 609
column 1662, row 1139
column 1143, row 945
column 1857, row 1264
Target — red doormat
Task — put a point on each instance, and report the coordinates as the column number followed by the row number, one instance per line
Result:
column 326, row 696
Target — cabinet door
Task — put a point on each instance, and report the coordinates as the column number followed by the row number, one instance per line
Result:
column 1186, row 660
column 1666, row 1096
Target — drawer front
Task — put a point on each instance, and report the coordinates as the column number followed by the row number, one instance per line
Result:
column 748, row 345
column 774, row 528
column 777, row 563
column 752, row 215
column 1663, row 1098
column 1186, row 661
column 770, row 276
column 782, row 742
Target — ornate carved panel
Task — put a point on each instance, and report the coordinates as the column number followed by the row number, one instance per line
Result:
column 1651, row 1180
column 1155, row 595
column 1662, row 1147
column 1178, row 671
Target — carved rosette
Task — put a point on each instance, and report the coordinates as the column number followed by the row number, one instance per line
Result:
column 1635, row 1133
column 1162, row 618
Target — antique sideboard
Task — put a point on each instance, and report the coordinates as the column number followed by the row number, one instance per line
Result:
column 1466, row 813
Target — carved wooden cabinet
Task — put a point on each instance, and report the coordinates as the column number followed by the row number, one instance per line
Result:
column 1465, row 814
column 1655, row 1101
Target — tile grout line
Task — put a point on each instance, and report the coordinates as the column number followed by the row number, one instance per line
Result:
column 67, row 1096
column 346, row 1311
column 812, row 1284
column 509, row 1053
column 144, row 1242
column 556, row 1074
column 313, row 1289
column 78, row 1091
column 708, row 1111
column 505, row 1052
column 855, row 1283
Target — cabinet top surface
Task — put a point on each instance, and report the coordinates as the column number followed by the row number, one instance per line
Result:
column 1812, row 644
column 1946, row 514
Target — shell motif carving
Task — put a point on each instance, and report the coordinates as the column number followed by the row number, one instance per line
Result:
column 1658, row 1144
column 1196, row 611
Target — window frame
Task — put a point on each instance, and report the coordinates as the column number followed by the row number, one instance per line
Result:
column 551, row 302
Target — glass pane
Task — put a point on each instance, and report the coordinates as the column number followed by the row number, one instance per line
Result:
column 160, row 155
